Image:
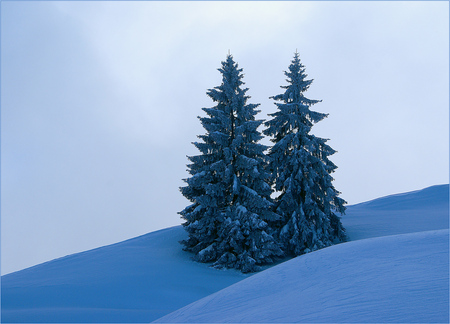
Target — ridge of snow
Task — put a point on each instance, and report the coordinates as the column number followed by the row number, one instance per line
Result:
column 416, row 211
column 399, row 278
column 438, row 194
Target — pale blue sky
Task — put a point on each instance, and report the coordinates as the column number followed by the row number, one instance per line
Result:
column 100, row 103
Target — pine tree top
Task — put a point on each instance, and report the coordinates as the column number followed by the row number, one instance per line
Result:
column 294, row 115
column 297, row 84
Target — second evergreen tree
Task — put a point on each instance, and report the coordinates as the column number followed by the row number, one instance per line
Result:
column 307, row 202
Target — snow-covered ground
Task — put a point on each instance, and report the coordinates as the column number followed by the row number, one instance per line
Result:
column 395, row 269
column 138, row 280
column 422, row 210
column 401, row 278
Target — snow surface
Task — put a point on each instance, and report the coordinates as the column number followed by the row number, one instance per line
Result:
column 401, row 278
column 375, row 278
column 138, row 280
column 422, row 210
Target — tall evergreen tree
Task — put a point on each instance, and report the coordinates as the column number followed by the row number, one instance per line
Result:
column 307, row 201
column 229, row 219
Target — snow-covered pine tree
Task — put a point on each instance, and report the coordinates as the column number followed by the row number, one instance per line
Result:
column 228, row 220
column 307, row 201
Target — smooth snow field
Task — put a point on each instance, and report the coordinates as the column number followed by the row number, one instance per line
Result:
column 138, row 280
column 400, row 278
column 394, row 269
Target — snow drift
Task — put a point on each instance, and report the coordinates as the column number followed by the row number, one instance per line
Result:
column 137, row 280
column 421, row 210
column 401, row 278
column 145, row 278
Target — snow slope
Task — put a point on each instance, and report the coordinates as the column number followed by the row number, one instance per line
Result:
column 422, row 210
column 396, row 278
column 137, row 280
column 400, row 278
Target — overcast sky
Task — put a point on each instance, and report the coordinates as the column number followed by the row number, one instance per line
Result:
column 100, row 103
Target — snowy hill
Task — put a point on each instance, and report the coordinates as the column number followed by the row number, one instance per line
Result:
column 400, row 278
column 422, row 210
column 137, row 280
column 385, row 278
